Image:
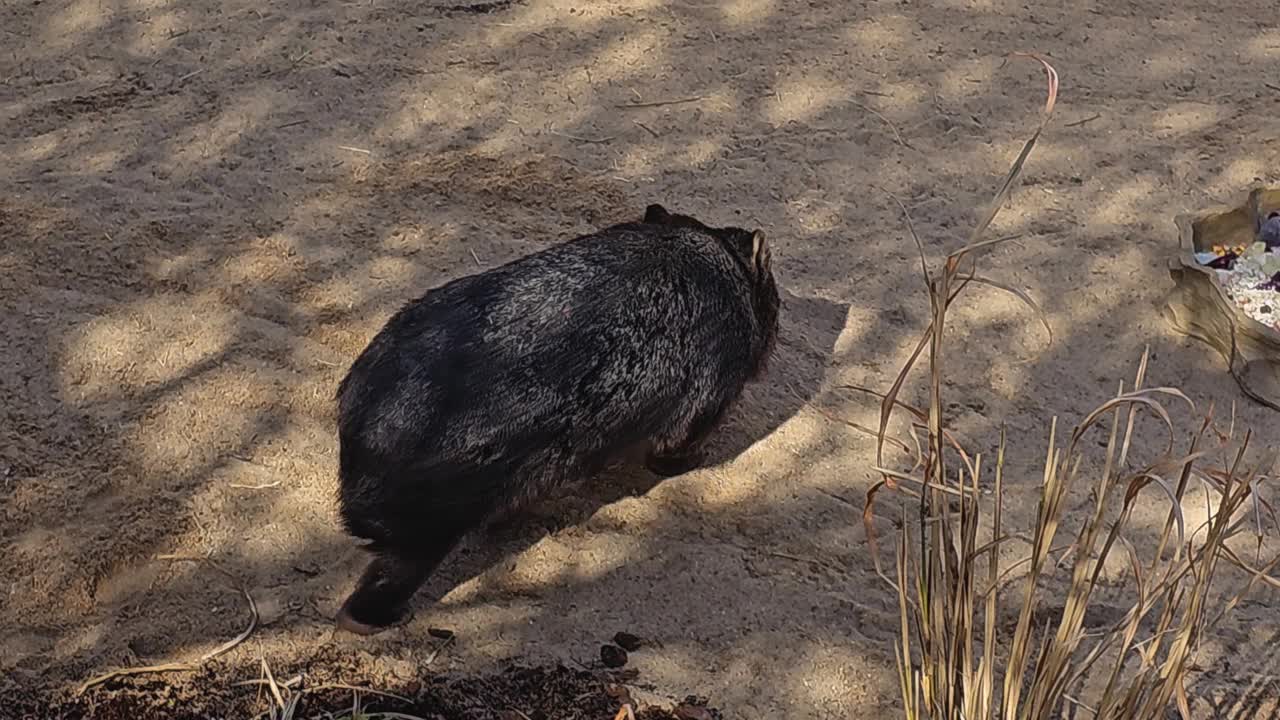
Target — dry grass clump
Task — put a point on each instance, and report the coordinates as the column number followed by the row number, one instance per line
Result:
column 953, row 661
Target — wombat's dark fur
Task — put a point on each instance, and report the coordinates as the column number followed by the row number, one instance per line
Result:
column 1269, row 231
column 493, row 389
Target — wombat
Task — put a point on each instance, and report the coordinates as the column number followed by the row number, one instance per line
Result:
column 1269, row 231
column 492, row 390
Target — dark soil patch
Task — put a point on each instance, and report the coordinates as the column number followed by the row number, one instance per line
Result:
column 516, row 693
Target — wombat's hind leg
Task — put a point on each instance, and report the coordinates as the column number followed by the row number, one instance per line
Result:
column 671, row 456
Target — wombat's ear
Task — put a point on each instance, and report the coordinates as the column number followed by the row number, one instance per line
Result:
column 760, row 255
column 656, row 214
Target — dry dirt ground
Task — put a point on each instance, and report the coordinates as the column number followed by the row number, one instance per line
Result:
column 207, row 208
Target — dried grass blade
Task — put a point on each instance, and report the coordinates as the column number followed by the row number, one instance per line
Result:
column 868, row 525
column 1035, row 307
column 906, row 216
column 993, row 208
column 1175, row 507
column 890, row 398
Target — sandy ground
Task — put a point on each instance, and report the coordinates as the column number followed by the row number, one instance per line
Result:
column 207, row 208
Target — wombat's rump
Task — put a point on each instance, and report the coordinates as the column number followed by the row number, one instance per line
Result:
column 494, row 388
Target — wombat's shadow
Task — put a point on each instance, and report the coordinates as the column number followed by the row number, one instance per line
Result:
column 808, row 329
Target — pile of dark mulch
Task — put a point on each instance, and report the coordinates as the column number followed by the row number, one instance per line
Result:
column 516, row 693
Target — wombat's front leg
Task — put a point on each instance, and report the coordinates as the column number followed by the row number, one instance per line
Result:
column 668, row 458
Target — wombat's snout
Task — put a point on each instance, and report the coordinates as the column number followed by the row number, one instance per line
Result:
column 351, row 625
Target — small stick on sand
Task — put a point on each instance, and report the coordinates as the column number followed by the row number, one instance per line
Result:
column 593, row 141
column 1089, row 119
column 287, row 684
column 263, row 486
column 247, row 461
column 353, row 688
column 354, row 149
column 439, row 649
column 646, row 128
column 271, row 683
column 897, row 135
column 660, row 103
column 807, row 561
column 476, row 258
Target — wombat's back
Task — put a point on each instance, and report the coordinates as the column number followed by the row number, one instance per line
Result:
column 488, row 391
column 492, row 386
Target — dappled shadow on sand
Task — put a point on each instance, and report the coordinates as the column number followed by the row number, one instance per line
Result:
column 206, row 210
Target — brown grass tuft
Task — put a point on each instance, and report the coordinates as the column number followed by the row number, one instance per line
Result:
column 952, row 661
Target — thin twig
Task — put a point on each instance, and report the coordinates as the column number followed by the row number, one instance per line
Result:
column 906, row 215
column 271, row 683
column 1082, row 706
column 287, row 684
column 807, row 561
column 646, row 128
column 355, row 149
column 263, row 486
column 660, row 103
column 353, row 688
column 592, row 141
column 1089, row 119
column 439, row 649
column 856, row 426
column 897, row 135
column 840, row 499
